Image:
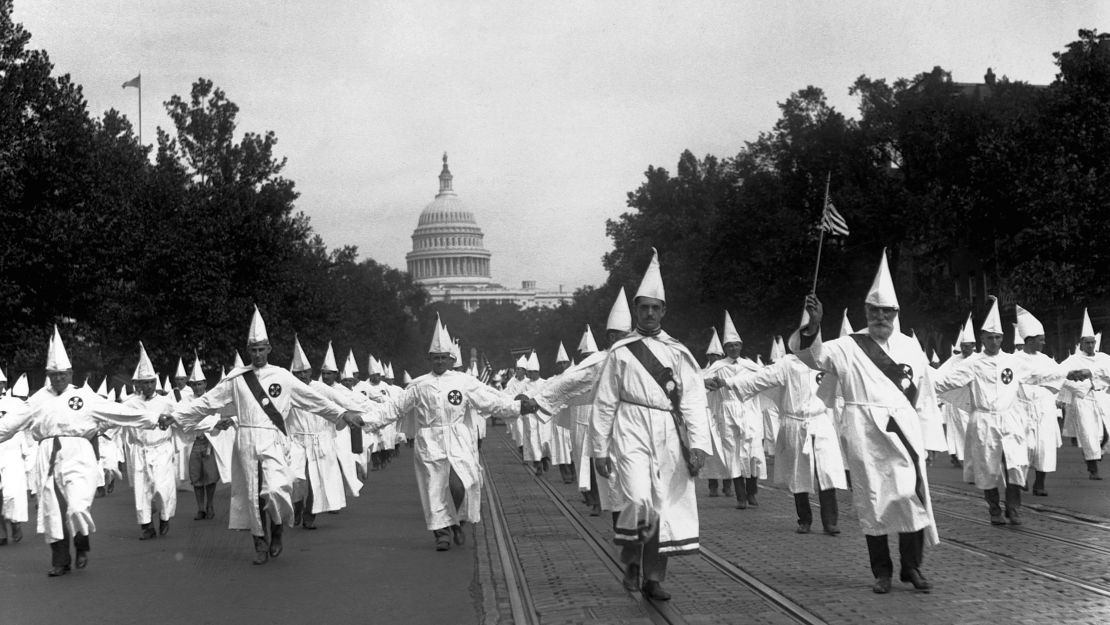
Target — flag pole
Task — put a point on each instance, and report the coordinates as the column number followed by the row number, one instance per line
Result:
column 821, row 238
column 140, row 108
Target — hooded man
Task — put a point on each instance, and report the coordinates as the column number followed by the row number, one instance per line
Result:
column 651, row 431
column 433, row 411
column 738, row 425
column 209, row 452
column 512, row 388
column 884, row 378
column 63, row 419
column 1084, row 396
column 996, row 452
column 807, row 449
column 537, row 431
column 562, row 446
column 1038, row 403
column 13, row 472
column 957, row 402
column 151, row 454
column 261, row 396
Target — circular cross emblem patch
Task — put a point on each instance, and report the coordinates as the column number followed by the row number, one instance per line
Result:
column 76, row 403
column 274, row 390
column 820, row 376
column 454, row 398
column 1007, row 375
column 907, row 377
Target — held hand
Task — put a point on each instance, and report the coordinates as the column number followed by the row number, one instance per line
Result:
column 165, row 421
column 603, row 467
column 714, row 384
column 224, row 423
column 697, row 460
column 816, row 312
column 353, row 419
column 527, row 405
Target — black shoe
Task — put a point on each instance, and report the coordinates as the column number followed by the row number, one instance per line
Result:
column 832, row 530
column 17, row 532
column 261, row 550
column 713, row 493
column 275, row 543
column 163, row 527
column 654, row 590
column 741, row 504
column 209, row 512
column 100, row 492
column 110, row 487
column 1096, row 476
column 595, row 510
column 298, row 516
column 147, row 532
column 82, row 560
column 881, row 586
column 752, row 502
column 1040, row 492
column 631, row 580
column 57, row 571
column 915, row 577
column 803, row 528
column 199, row 516
column 458, row 534
column 997, row 519
column 309, row 524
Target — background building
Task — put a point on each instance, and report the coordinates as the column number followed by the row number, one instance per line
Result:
column 449, row 260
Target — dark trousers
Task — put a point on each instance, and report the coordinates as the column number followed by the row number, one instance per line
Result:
column 653, row 566
column 59, row 549
column 911, row 550
column 829, row 508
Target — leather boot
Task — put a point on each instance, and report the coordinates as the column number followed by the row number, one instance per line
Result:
column 991, row 495
column 726, row 488
column 1092, row 469
column 830, row 511
column 261, row 550
column 275, row 539
column 741, row 489
column 443, row 538
column 713, row 488
column 1038, row 485
column 1013, row 504
column 298, row 513
column 146, row 531
column 752, row 487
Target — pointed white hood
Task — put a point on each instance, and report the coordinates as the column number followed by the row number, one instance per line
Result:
column 652, row 283
column 198, row 373
column 845, row 325
column 257, row 332
column 882, row 287
column 180, row 371
column 144, row 370
column 993, row 322
column 587, row 345
column 329, row 360
column 56, row 357
column 300, row 360
column 441, row 340
column 533, row 362
column 715, row 348
column 620, row 318
column 729, row 334
column 21, row 388
column 1087, row 332
column 967, row 333
column 561, row 355
column 1027, row 324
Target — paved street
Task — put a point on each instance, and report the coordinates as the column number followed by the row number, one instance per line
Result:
column 539, row 554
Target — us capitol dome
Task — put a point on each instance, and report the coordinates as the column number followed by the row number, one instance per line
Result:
column 449, row 260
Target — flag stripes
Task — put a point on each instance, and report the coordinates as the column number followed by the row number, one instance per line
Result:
column 832, row 221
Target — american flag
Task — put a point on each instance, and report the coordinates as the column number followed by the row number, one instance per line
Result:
column 485, row 371
column 832, row 221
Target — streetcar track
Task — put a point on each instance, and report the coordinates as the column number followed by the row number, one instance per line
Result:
column 664, row 612
column 1054, row 514
column 520, row 596
column 1021, row 529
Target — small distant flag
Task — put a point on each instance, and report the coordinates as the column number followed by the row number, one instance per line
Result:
column 134, row 82
column 486, row 371
column 832, row 221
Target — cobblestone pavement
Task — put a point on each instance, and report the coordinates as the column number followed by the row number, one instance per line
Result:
column 981, row 574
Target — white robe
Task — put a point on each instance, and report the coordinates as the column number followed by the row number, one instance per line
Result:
column 956, row 408
column 348, row 460
column 884, row 475
column 575, row 390
column 633, row 425
column 262, row 453
column 433, row 412
column 62, row 425
column 315, row 461
column 516, row 427
column 738, row 425
column 807, row 442
column 1087, row 403
column 995, row 448
column 13, row 469
column 1038, row 404
column 151, row 462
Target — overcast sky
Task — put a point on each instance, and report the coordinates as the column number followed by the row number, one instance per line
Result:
column 549, row 112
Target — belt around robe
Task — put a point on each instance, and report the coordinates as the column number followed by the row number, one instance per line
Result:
column 58, row 447
column 643, row 405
